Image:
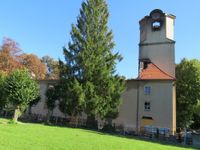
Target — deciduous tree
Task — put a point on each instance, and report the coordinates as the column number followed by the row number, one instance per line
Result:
column 188, row 90
column 3, row 98
column 10, row 55
column 51, row 98
column 52, row 67
column 34, row 65
column 20, row 90
column 196, row 117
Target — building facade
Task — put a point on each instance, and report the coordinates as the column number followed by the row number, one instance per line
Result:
column 150, row 99
column 152, row 96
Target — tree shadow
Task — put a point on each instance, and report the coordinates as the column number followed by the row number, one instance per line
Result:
column 114, row 134
column 144, row 139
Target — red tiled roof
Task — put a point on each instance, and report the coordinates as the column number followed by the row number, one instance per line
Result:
column 152, row 72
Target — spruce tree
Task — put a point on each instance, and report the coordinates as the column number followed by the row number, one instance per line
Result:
column 91, row 60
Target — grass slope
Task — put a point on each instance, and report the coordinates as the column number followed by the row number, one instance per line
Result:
column 40, row 137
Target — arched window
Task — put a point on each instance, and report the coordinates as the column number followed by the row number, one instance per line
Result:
column 156, row 25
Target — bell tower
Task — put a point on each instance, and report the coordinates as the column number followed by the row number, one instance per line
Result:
column 157, row 41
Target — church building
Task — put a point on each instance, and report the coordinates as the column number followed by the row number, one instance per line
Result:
column 150, row 99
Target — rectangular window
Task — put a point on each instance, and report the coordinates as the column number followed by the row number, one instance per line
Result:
column 147, row 106
column 147, row 90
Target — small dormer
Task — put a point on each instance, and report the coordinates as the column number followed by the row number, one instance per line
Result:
column 143, row 64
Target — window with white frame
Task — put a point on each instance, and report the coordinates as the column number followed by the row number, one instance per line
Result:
column 147, row 90
column 147, row 106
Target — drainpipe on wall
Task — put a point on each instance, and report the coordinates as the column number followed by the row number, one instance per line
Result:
column 137, row 109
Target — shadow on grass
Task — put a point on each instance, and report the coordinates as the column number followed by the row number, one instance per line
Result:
column 138, row 138
column 144, row 139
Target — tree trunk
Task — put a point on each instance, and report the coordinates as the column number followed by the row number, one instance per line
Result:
column 29, row 110
column 91, row 122
column 16, row 114
column 49, row 114
column 74, row 120
column 71, row 122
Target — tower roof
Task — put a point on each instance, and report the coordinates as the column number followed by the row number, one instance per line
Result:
column 152, row 72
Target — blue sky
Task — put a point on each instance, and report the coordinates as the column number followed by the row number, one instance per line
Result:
column 42, row 26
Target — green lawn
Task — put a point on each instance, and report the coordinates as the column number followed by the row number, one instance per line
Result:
column 25, row 136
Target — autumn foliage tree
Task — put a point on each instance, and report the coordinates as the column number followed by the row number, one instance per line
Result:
column 10, row 55
column 34, row 65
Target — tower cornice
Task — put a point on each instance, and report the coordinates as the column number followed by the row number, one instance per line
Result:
column 157, row 43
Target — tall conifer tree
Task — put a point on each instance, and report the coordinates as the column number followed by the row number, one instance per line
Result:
column 90, row 59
